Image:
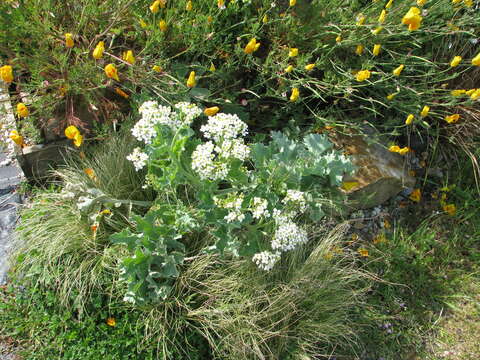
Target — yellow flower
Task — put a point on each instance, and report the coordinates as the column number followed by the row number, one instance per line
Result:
column 121, row 93
column 252, row 46
column 189, row 6
column 458, row 92
column 71, row 132
column 380, row 238
column 293, row 2
column 425, row 111
column 105, row 212
column 16, row 137
column 293, row 52
column 162, row 25
column 476, row 60
column 362, row 75
column 157, row 68
column 22, row 110
column 470, row 92
column 409, row 119
column 111, row 72
column 77, row 140
column 421, row 2
column 98, row 52
column 376, row 49
column 416, row 195
column 289, row 69
column 155, row 6
column 377, row 30
column 338, row 39
column 6, row 73
column 111, row 321
column 221, row 4
column 456, row 1
column 398, row 70
column 455, row 61
column 394, row 148
column 265, row 19
column 309, row 67
column 452, row 119
column 450, row 209
column 191, row 82
column 412, row 18
column 468, row 3
column 212, row 67
column 404, row 150
column 391, row 96
column 90, row 173
column 143, row 24
column 68, row 40
column 363, row 252
column 295, row 94
column 475, row 95
column 128, row 57
column 382, row 17
column 361, row 19
column 211, row 111
column 389, row 4
column 359, row 50
column 209, row 19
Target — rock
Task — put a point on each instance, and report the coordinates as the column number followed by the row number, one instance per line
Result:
column 380, row 173
column 37, row 161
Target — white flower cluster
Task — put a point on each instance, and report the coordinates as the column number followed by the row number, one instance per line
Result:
column 288, row 236
column 266, row 260
column 224, row 127
column 153, row 114
column 296, row 200
column 259, row 208
column 225, row 132
column 234, row 204
column 139, row 158
column 189, row 111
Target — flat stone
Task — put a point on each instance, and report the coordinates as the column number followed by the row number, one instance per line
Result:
column 380, row 174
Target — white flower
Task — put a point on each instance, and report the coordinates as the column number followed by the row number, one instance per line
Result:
column 189, row 111
column 224, row 127
column 139, row 158
column 288, row 236
column 204, row 164
column 266, row 260
column 296, row 200
column 233, row 148
column 259, row 208
column 152, row 114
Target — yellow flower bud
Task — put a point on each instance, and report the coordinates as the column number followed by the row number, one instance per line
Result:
column 162, row 25
column 78, row 140
column 377, row 30
column 416, row 195
column 421, row 2
column 412, row 18
column 425, row 111
column 111, row 72
column 376, row 49
column 22, row 110
column 211, row 111
column 189, row 6
column 361, row 19
column 359, row 50
column 409, row 119
column 98, row 52
column 403, row 150
column 338, row 39
column 468, row 3
column 476, row 60
column 155, row 6
column 391, row 96
column 71, row 132
column 470, row 92
column 6, row 73
column 157, row 68
column 191, row 82
column 382, row 17
column 128, row 57
column 295, row 94
column 394, row 148
column 212, row 67
column 398, row 70
column 265, row 19
column 309, row 67
column 293, row 52
column 293, row 2
column 455, row 61
column 458, row 92
column 362, row 75
column 389, row 4
column 143, row 24
column 289, row 69
column 69, row 40
column 252, row 46
column 475, row 95
column 221, row 4
column 121, row 93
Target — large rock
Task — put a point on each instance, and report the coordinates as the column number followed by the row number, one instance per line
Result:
column 380, row 173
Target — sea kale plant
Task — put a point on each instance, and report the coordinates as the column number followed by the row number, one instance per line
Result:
column 252, row 200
